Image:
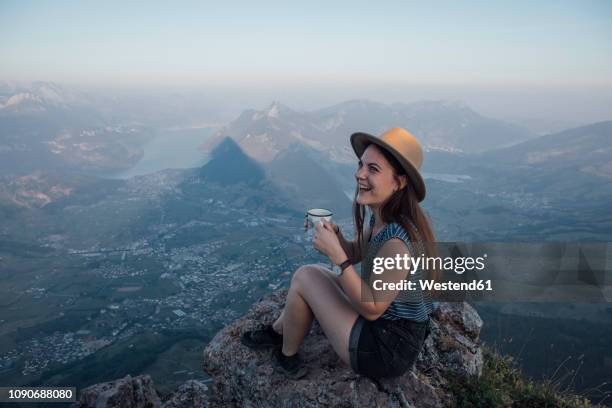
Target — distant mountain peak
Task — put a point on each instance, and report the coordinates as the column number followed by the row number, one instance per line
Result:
column 228, row 146
column 274, row 111
column 20, row 98
column 36, row 97
column 230, row 165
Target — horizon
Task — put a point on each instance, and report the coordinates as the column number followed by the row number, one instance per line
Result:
column 554, row 107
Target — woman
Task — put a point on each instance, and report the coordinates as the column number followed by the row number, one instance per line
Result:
column 377, row 333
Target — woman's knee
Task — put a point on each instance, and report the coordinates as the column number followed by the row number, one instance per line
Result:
column 303, row 274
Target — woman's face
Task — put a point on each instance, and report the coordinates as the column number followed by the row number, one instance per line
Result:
column 375, row 178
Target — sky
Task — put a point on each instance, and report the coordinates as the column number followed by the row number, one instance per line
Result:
column 383, row 48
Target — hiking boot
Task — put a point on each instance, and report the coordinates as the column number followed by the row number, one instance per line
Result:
column 261, row 338
column 291, row 366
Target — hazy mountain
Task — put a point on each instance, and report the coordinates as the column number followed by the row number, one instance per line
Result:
column 455, row 126
column 309, row 185
column 293, row 180
column 450, row 126
column 263, row 134
column 38, row 189
column 555, row 187
column 544, row 126
column 445, row 125
column 36, row 97
column 573, row 168
column 44, row 127
column 586, row 149
column 37, row 192
column 229, row 165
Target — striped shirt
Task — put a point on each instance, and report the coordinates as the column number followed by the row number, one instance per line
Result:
column 409, row 304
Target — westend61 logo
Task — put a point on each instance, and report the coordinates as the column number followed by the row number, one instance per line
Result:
column 458, row 265
column 499, row 272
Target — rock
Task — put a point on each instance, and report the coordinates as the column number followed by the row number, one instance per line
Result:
column 461, row 315
column 244, row 378
column 127, row 392
column 454, row 341
column 192, row 394
column 139, row 392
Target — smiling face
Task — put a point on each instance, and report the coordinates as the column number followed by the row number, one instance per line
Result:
column 376, row 178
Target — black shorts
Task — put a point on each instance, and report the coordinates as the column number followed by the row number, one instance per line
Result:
column 385, row 348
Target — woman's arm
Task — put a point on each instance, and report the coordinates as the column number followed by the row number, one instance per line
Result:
column 351, row 247
column 369, row 302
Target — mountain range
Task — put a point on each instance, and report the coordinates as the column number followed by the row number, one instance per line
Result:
column 440, row 125
column 586, row 149
column 294, row 174
column 45, row 127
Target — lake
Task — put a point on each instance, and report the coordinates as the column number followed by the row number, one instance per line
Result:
column 172, row 149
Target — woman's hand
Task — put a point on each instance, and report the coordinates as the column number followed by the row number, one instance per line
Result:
column 335, row 228
column 326, row 241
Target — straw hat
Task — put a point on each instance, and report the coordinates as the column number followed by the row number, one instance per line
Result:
column 403, row 146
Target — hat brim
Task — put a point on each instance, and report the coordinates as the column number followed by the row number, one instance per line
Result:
column 360, row 142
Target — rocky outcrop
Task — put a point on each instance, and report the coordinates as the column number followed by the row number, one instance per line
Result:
column 245, row 378
column 127, row 392
column 192, row 394
column 139, row 392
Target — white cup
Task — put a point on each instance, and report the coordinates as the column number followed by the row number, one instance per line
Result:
column 317, row 214
column 313, row 216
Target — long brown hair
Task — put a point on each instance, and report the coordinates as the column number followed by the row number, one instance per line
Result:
column 402, row 208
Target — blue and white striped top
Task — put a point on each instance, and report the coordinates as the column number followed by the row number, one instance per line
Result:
column 409, row 304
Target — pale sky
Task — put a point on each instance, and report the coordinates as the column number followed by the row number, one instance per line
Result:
column 455, row 42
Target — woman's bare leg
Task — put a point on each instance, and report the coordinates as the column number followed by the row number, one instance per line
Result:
column 314, row 292
column 297, row 320
column 278, row 323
